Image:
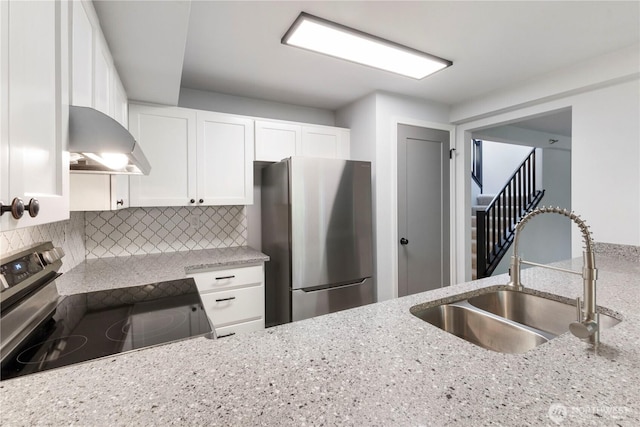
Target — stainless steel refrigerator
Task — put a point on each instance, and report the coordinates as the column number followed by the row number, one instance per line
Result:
column 317, row 231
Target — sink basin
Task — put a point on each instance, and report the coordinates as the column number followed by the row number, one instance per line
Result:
column 504, row 320
column 534, row 311
column 481, row 329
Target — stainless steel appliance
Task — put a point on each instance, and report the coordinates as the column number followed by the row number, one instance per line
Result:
column 317, row 230
column 41, row 330
column 99, row 144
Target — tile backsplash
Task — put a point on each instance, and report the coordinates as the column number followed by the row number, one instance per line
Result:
column 68, row 234
column 135, row 231
column 139, row 231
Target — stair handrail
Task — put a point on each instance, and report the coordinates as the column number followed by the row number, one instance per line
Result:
column 520, row 188
column 532, row 154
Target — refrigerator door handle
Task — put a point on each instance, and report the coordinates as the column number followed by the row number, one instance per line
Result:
column 324, row 288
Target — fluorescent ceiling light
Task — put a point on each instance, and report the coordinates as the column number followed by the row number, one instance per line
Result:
column 319, row 35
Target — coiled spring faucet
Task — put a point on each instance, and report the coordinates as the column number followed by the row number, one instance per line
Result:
column 587, row 324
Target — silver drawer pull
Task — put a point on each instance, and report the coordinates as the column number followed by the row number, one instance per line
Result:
column 225, row 277
column 225, row 299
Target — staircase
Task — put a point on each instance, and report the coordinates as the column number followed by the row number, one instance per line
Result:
column 482, row 201
column 495, row 216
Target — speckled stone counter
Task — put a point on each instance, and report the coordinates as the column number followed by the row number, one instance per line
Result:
column 119, row 272
column 376, row 365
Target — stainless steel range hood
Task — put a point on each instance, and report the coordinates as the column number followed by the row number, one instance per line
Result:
column 99, row 144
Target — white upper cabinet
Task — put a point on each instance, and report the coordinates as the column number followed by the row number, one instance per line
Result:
column 95, row 83
column 167, row 136
column 34, row 79
column 276, row 140
column 225, row 159
column 119, row 102
column 102, row 69
column 324, row 141
column 81, row 56
column 197, row 158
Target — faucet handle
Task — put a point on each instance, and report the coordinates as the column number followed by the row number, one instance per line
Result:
column 583, row 329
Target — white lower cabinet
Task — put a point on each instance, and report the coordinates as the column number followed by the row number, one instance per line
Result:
column 233, row 298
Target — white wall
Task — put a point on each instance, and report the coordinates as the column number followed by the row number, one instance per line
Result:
column 213, row 101
column 499, row 162
column 606, row 162
column 389, row 110
column 605, row 154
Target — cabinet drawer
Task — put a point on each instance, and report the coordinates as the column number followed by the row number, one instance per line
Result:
column 228, row 278
column 235, row 305
column 239, row 328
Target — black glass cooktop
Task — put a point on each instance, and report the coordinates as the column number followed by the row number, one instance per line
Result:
column 98, row 324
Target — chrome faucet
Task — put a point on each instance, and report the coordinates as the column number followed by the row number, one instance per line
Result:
column 586, row 325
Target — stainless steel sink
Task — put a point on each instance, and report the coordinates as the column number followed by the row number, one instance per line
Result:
column 534, row 311
column 506, row 321
column 481, row 329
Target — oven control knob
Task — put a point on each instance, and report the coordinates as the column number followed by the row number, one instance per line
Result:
column 52, row 255
column 3, row 281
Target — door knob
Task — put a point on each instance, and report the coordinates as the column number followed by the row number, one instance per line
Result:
column 404, row 241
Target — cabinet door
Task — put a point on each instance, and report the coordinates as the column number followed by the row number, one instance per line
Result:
column 119, row 196
column 119, row 192
column 82, row 56
column 320, row 141
column 5, row 194
column 276, row 141
column 35, row 62
column 225, row 159
column 167, row 136
column 102, row 77
column 119, row 103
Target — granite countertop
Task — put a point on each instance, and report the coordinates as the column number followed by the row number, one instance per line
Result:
column 119, row 272
column 375, row 365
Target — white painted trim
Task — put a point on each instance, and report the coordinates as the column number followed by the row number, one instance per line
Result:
column 395, row 121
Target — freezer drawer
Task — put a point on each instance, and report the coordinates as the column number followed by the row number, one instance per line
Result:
column 306, row 304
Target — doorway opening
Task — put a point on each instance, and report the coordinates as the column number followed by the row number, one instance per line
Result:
column 505, row 149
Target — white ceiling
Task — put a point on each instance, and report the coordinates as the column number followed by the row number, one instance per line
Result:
column 234, row 47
